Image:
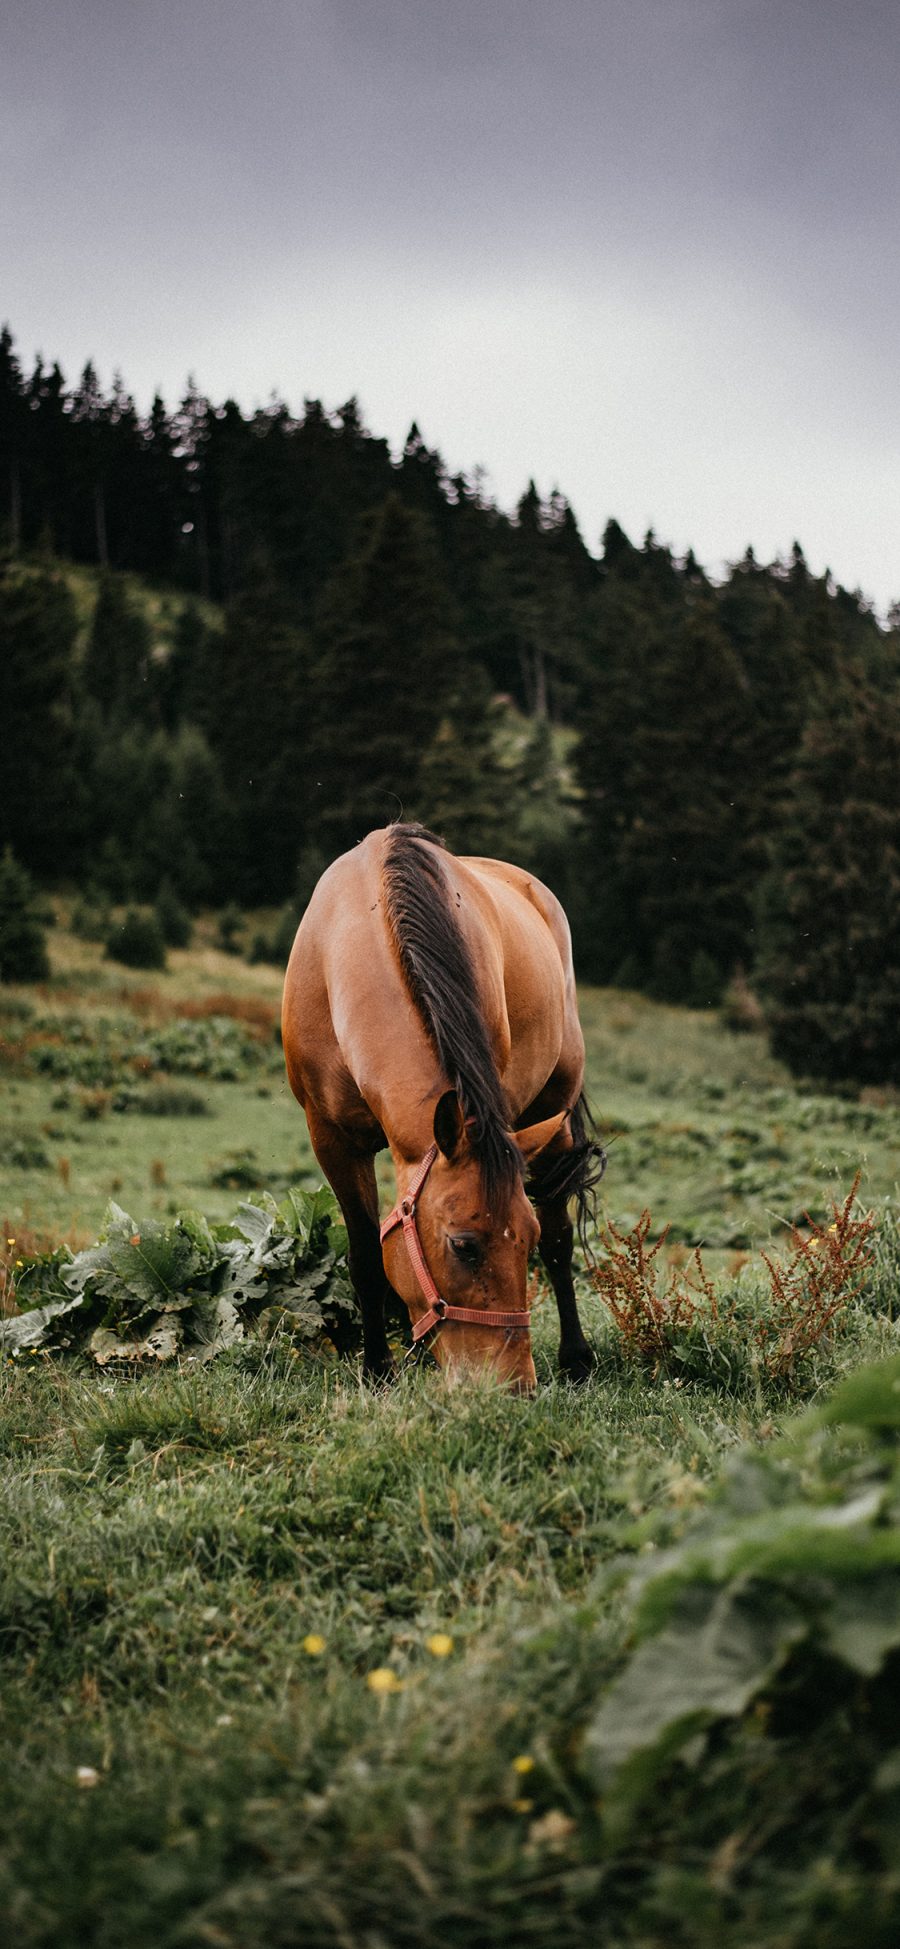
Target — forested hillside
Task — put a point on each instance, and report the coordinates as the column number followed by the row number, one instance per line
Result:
column 231, row 643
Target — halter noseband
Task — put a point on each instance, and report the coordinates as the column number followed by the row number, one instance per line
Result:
column 439, row 1310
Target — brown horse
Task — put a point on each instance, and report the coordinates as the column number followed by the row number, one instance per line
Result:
column 429, row 1005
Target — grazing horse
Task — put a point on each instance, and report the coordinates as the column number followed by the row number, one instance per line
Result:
column 429, row 1005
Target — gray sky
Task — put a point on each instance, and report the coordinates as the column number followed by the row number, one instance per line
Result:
column 645, row 250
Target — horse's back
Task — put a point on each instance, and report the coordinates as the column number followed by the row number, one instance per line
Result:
column 344, row 998
column 538, row 978
column 531, row 897
column 346, row 1004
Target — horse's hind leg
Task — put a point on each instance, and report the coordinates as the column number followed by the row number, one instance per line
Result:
column 556, row 1244
column 351, row 1174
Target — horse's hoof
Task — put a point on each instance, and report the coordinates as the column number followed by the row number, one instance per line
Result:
column 577, row 1364
column 380, row 1372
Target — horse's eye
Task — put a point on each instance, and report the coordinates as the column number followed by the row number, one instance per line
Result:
column 467, row 1247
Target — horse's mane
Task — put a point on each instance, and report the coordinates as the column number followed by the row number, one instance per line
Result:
column 441, row 981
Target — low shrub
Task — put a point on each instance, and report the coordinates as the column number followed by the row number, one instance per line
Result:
column 651, row 1310
column 137, row 941
column 166, row 1100
column 822, row 1275
column 91, row 917
column 240, row 1170
column 275, row 948
column 704, row 989
column 740, row 1010
column 26, row 1153
column 175, row 924
column 671, row 1320
column 231, row 926
column 101, row 1052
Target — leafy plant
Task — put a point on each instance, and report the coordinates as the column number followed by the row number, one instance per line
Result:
column 760, row 1643
column 99, row 1052
column 148, row 1291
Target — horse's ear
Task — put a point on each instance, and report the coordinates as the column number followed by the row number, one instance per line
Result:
column 449, row 1124
column 538, row 1135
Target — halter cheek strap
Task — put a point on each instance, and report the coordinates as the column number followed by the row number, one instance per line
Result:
column 439, row 1310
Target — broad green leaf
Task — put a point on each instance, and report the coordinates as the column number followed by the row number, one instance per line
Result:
column 867, row 1399
column 161, row 1343
column 861, row 1622
column 253, row 1223
column 154, row 1264
column 31, row 1329
column 718, row 1650
column 212, row 1325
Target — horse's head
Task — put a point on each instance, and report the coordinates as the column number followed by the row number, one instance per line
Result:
column 463, row 1249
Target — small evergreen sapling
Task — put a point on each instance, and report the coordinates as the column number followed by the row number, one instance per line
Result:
column 23, row 951
column 172, row 916
column 137, row 941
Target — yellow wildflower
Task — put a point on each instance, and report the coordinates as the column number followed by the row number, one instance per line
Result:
column 523, row 1763
column 439, row 1644
column 313, row 1645
column 382, row 1679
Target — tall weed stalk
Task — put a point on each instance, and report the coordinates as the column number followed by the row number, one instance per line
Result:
column 670, row 1316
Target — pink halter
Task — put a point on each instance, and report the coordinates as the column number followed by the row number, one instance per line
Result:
column 404, row 1213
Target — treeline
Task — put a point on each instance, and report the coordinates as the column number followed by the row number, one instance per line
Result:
column 707, row 773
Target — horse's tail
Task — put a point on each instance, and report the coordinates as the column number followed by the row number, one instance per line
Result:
column 576, row 1172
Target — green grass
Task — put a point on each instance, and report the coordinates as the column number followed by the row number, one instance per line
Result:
column 703, row 1126
column 712, row 1133
column 169, row 1543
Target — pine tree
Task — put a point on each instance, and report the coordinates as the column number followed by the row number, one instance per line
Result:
column 389, row 667
column 91, row 434
column 23, row 949
column 54, row 516
column 464, row 792
column 116, row 668
column 42, row 795
column 260, row 706
column 829, row 910
column 13, row 428
column 663, row 765
column 160, row 491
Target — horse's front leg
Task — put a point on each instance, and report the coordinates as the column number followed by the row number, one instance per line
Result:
column 351, row 1174
column 576, row 1358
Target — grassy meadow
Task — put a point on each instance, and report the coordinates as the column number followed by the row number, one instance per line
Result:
column 291, row 1660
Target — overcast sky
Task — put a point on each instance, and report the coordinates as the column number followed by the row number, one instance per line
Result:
column 644, row 250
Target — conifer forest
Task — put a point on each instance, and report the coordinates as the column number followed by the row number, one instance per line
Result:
column 232, row 642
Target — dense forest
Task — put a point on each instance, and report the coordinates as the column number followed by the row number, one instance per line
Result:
column 706, row 772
